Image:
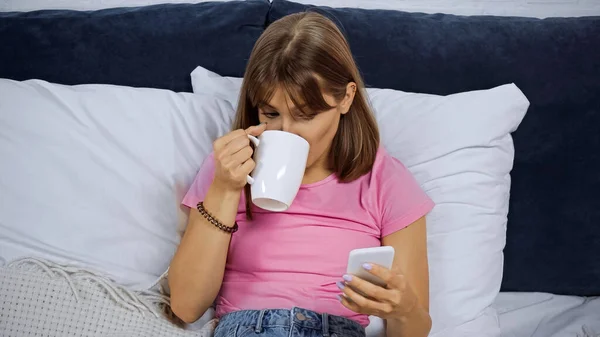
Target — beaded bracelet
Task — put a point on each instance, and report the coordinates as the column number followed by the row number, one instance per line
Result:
column 214, row 221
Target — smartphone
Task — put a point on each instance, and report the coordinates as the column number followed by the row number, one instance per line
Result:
column 383, row 256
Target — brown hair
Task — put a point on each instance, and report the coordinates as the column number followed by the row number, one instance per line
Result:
column 306, row 54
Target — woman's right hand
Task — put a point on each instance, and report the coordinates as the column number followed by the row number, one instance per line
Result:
column 233, row 157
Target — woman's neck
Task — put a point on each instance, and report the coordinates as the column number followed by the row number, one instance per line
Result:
column 318, row 171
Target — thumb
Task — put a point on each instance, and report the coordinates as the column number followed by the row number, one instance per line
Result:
column 256, row 130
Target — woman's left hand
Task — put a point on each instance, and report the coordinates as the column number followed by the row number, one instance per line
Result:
column 391, row 302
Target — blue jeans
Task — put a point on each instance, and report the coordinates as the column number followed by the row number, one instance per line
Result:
column 296, row 322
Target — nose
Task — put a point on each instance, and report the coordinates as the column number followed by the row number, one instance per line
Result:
column 286, row 126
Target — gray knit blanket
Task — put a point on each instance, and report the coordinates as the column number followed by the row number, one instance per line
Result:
column 41, row 298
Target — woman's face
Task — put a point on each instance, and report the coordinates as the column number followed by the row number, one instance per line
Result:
column 281, row 114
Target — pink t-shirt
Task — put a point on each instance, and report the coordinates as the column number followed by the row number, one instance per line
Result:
column 294, row 258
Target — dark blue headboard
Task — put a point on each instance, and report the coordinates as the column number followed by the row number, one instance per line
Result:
column 553, row 242
column 155, row 46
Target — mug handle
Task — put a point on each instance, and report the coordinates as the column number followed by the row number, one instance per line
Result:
column 254, row 141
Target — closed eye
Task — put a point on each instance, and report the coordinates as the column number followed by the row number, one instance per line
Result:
column 271, row 115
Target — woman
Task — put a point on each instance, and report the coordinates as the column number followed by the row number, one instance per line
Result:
column 281, row 274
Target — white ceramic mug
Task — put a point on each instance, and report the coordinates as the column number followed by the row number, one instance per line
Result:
column 280, row 163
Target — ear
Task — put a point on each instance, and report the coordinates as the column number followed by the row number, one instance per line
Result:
column 348, row 98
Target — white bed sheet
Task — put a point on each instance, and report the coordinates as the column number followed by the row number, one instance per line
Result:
column 547, row 315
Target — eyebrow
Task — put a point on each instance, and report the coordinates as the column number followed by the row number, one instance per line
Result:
column 293, row 109
column 265, row 105
column 297, row 109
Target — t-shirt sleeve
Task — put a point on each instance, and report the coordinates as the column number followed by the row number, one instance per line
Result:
column 402, row 201
column 201, row 183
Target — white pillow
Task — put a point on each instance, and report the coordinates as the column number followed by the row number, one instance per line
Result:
column 94, row 174
column 460, row 150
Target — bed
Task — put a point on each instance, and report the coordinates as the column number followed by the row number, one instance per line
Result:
column 123, row 89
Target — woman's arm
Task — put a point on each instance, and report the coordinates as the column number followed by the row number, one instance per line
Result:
column 404, row 302
column 410, row 260
column 197, row 269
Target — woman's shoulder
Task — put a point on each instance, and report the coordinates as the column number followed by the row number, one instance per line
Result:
column 400, row 198
column 389, row 174
column 385, row 164
column 210, row 157
column 386, row 169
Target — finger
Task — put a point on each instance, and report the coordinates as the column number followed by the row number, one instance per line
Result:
column 227, row 155
column 247, row 167
column 256, row 130
column 235, row 145
column 365, row 305
column 224, row 140
column 388, row 276
column 365, row 287
column 240, row 157
column 350, row 305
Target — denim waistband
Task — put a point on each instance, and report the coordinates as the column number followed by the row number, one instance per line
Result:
column 299, row 317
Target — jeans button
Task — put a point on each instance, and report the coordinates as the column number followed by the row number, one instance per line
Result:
column 300, row 316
